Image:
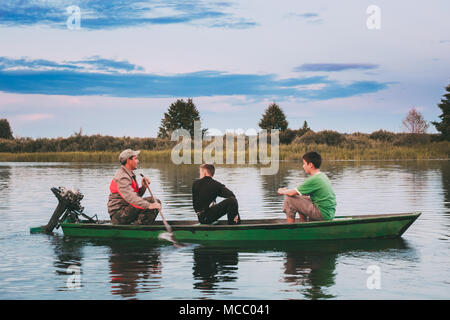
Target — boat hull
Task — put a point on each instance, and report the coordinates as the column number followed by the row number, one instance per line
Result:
column 352, row 227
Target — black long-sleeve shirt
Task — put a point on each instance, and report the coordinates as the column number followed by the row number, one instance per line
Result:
column 206, row 190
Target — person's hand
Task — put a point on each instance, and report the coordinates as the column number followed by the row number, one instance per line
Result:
column 145, row 182
column 155, row 205
column 282, row 191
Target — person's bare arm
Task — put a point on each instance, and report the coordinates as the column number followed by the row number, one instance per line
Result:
column 287, row 192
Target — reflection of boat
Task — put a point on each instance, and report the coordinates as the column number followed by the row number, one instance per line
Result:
column 350, row 227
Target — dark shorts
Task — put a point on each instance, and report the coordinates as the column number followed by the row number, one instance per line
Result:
column 131, row 215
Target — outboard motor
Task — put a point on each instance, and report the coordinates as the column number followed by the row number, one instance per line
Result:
column 69, row 207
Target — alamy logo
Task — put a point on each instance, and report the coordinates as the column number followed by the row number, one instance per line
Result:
column 74, row 20
column 374, row 280
column 258, row 148
column 74, row 280
column 374, row 20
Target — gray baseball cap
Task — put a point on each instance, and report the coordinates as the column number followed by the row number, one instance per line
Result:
column 124, row 155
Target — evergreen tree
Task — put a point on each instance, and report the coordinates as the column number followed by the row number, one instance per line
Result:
column 444, row 126
column 5, row 129
column 181, row 114
column 273, row 118
column 305, row 128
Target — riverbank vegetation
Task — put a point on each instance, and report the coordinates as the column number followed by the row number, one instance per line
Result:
column 379, row 145
column 414, row 143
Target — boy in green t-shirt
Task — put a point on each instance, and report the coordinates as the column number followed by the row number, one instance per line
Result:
column 314, row 199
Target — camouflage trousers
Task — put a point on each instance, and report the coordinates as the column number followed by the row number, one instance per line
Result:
column 131, row 215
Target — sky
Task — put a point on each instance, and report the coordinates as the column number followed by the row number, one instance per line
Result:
column 114, row 67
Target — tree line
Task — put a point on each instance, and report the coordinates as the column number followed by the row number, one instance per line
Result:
column 182, row 114
column 80, row 142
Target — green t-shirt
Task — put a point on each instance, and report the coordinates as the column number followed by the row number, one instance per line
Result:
column 318, row 187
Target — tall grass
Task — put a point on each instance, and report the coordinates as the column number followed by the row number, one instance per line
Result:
column 381, row 151
column 379, row 145
column 293, row 151
column 94, row 157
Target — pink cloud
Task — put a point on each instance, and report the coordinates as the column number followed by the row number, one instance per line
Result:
column 33, row 117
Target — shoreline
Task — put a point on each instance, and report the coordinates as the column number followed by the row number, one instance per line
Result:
column 292, row 152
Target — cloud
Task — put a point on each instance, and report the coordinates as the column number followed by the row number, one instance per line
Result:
column 113, row 14
column 73, row 81
column 308, row 17
column 330, row 67
column 338, row 90
column 33, row 117
column 109, row 65
column 315, row 86
column 41, row 64
column 233, row 24
column 92, row 64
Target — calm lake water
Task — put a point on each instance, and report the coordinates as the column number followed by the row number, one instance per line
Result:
column 417, row 266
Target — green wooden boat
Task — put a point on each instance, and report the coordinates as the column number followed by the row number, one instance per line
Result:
column 347, row 227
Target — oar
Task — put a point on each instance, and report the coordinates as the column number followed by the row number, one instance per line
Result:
column 170, row 237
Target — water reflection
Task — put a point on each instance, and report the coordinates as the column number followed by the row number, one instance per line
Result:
column 271, row 201
column 67, row 254
column 310, row 268
column 307, row 268
column 147, row 271
column 335, row 170
column 445, row 172
column 312, row 273
column 5, row 181
column 177, row 179
column 5, row 174
column 214, row 266
column 175, row 183
column 134, row 268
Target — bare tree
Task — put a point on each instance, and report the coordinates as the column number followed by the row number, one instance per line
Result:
column 415, row 123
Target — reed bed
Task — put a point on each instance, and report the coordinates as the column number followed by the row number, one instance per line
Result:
column 92, row 157
column 382, row 151
column 293, row 151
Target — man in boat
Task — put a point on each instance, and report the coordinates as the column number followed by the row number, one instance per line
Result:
column 314, row 199
column 204, row 193
column 125, row 204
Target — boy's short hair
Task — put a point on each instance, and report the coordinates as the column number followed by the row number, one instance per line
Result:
column 209, row 168
column 314, row 158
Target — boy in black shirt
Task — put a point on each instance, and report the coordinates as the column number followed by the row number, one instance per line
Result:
column 204, row 193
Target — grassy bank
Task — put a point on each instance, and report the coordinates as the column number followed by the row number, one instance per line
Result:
column 379, row 145
column 435, row 150
column 293, row 151
column 95, row 157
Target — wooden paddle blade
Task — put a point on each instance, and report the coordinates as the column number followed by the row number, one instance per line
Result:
column 171, row 238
